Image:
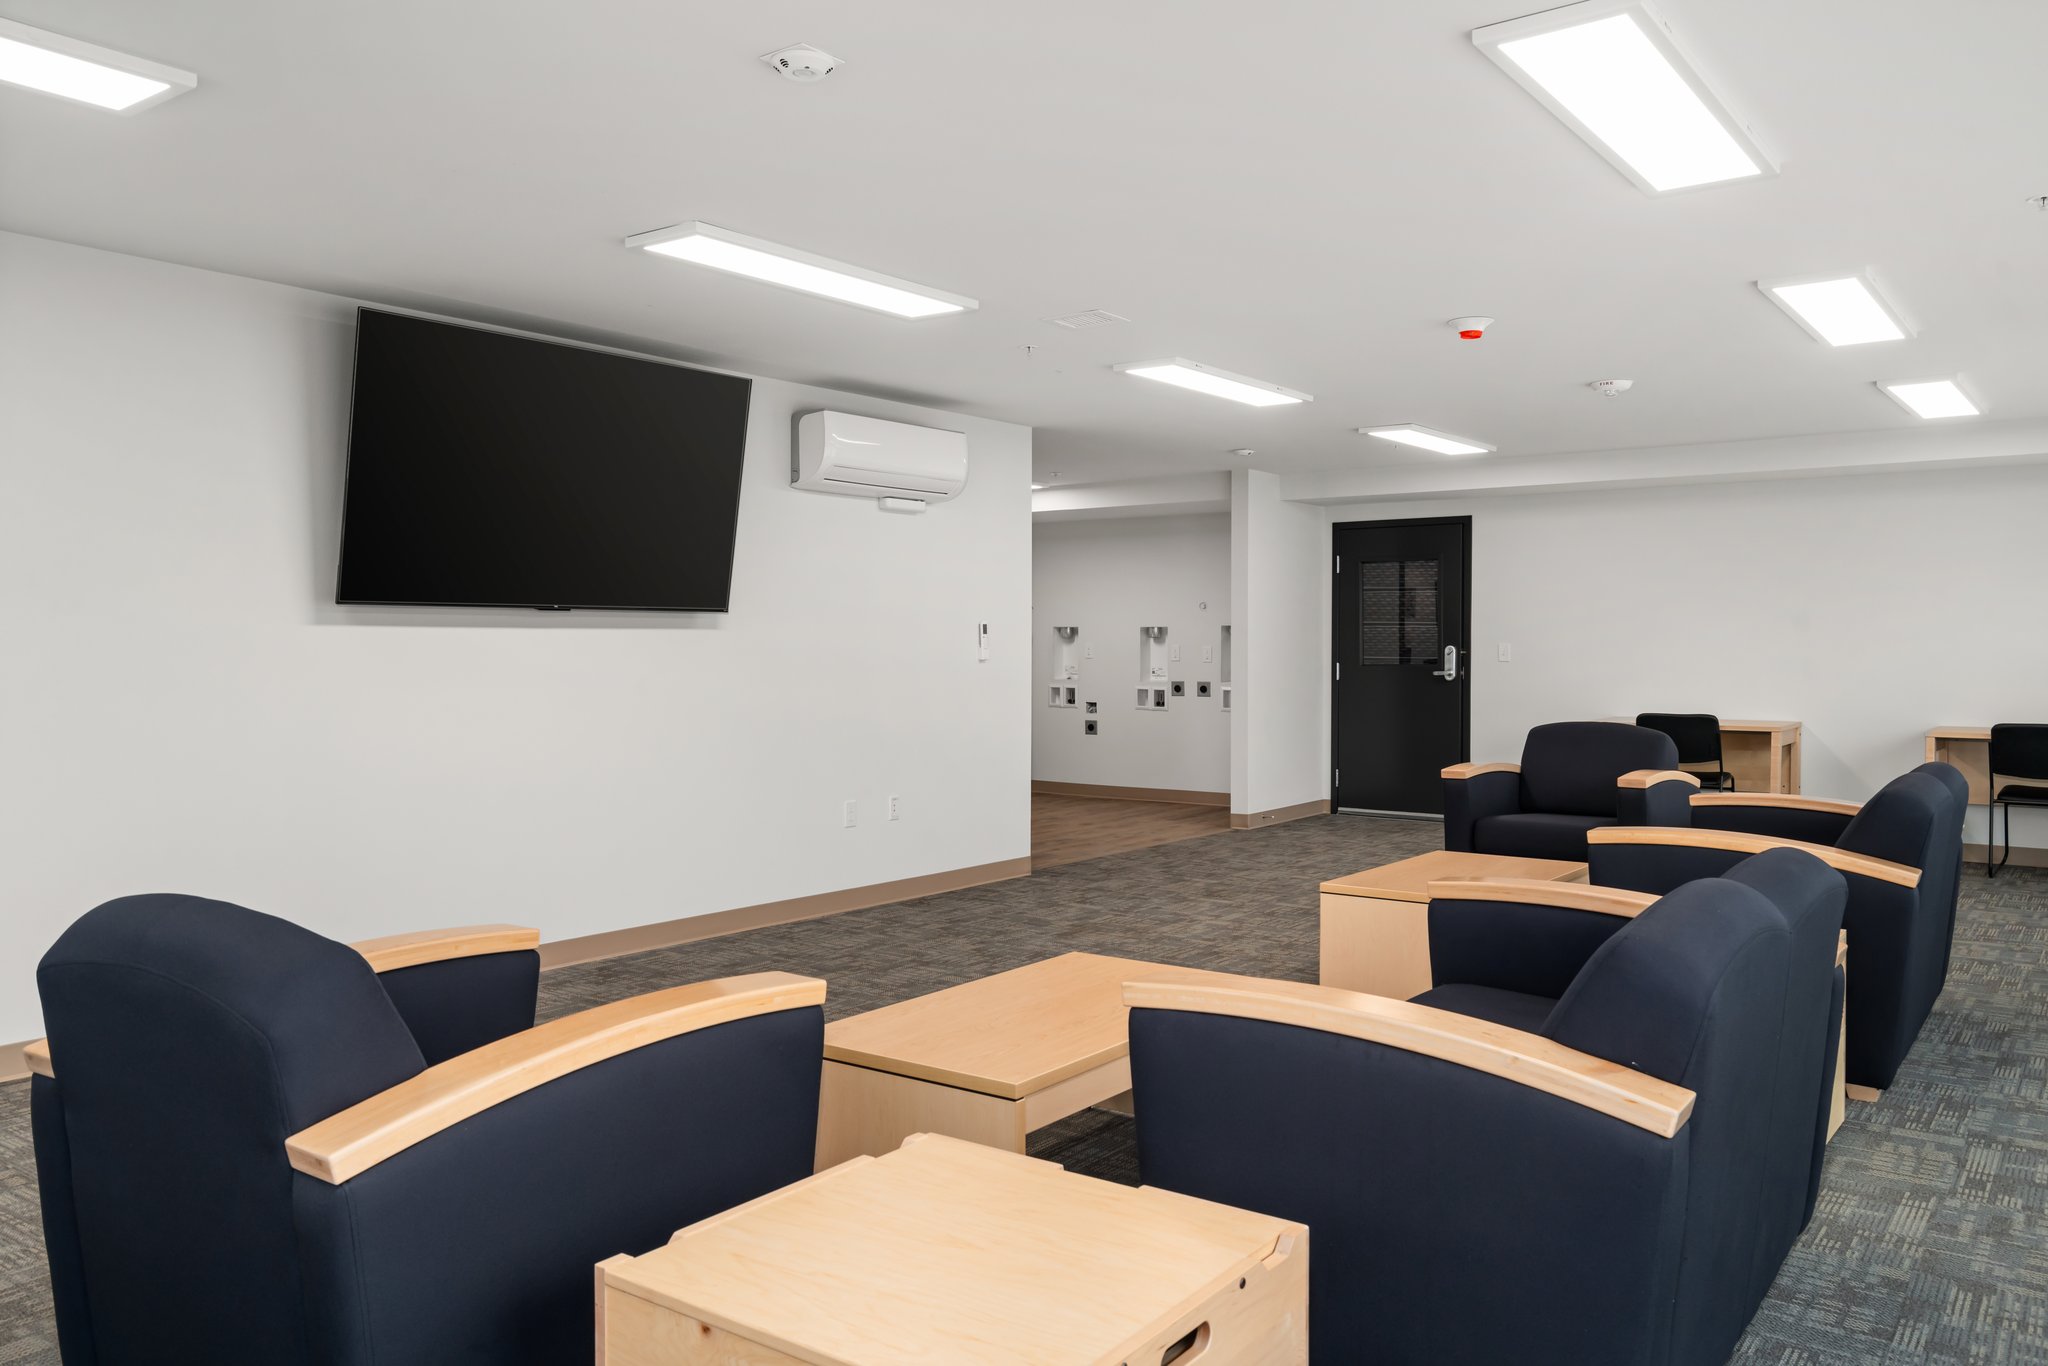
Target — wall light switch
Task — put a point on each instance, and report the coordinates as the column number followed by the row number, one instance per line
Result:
column 1507, row 652
column 1173, row 653
column 1208, row 654
column 849, row 814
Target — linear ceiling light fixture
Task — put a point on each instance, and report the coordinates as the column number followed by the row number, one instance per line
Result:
column 85, row 72
column 1932, row 398
column 705, row 245
column 1613, row 71
column 1207, row 379
column 1841, row 310
column 1428, row 439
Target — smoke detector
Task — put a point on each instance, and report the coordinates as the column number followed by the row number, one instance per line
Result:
column 1470, row 329
column 802, row 63
column 1611, row 388
column 1244, row 452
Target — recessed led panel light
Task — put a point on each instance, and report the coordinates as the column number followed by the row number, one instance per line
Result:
column 1617, row 76
column 705, row 245
column 1207, row 379
column 1845, row 311
column 85, row 72
column 1428, row 439
column 1931, row 398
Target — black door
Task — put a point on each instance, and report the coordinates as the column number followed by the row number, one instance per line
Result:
column 1400, row 704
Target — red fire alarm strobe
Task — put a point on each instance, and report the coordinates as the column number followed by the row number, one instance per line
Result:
column 1471, row 329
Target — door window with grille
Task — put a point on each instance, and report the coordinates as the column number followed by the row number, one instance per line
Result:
column 1399, row 616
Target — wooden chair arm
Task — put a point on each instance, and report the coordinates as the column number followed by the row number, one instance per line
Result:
column 394, row 951
column 36, row 1056
column 1529, row 891
column 1776, row 799
column 1461, row 771
column 347, row 1144
column 1650, row 777
column 1525, row 1059
column 1738, row 842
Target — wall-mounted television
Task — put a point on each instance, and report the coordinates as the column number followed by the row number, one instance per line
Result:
column 492, row 470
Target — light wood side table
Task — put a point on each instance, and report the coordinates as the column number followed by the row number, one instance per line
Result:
column 1375, row 930
column 947, row 1251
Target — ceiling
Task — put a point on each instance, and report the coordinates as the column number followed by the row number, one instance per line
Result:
column 1302, row 192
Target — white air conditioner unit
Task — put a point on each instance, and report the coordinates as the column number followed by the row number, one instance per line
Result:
column 870, row 458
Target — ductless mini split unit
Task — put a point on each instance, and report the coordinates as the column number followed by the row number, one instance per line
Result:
column 905, row 467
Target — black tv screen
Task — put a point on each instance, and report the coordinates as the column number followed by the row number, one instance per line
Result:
column 489, row 470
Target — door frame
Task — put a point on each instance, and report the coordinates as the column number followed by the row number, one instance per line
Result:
column 1337, row 606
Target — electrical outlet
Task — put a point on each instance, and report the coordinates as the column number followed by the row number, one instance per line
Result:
column 849, row 814
column 1208, row 654
column 1180, row 689
column 1087, row 652
column 1173, row 653
column 1507, row 652
column 1201, row 689
column 1088, row 727
column 895, row 807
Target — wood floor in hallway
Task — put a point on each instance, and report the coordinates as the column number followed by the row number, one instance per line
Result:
column 1070, row 829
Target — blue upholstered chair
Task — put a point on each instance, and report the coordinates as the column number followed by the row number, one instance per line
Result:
column 1574, row 776
column 252, row 1147
column 1901, row 855
column 1610, row 1184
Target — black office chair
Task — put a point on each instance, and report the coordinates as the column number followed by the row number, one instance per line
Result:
column 1698, row 737
column 2016, row 752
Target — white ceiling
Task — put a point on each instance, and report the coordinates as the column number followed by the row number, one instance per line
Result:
column 1297, row 191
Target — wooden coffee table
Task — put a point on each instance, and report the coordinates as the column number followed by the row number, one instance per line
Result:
column 1375, row 932
column 952, row 1252
column 988, row 1061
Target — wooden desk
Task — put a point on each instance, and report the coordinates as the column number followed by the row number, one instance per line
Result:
column 945, row 1251
column 1375, row 925
column 1762, row 756
column 988, row 1061
column 1969, row 749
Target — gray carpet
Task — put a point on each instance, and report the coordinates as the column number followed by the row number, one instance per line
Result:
column 1930, row 1244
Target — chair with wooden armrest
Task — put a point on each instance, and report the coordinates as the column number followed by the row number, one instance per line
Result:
column 1895, row 855
column 1588, row 1193
column 1507, row 950
column 244, row 1156
column 1570, row 781
column 458, row 989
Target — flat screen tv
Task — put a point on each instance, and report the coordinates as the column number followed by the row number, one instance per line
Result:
column 491, row 470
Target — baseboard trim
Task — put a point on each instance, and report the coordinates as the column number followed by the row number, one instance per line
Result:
column 588, row 948
column 1253, row 820
column 2022, row 857
column 14, row 1067
column 1181, row 795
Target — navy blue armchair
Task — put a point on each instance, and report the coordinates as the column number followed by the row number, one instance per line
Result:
column 252, row 1147
column 1900, row 854
column 1606, row 1186
column 1575, row 776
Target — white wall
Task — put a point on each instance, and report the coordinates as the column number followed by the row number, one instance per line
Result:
column 185, row 708
column 1280, row 647
column 1870, row 607
column 1109, row 578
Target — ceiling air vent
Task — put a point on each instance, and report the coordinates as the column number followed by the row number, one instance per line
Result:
column 1094, row 317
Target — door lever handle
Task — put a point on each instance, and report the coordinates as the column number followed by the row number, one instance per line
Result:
column 1449, row 672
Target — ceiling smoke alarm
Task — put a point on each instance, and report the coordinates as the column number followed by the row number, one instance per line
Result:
column 802, row 63
column 1470, row 329
column 1611, row 388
